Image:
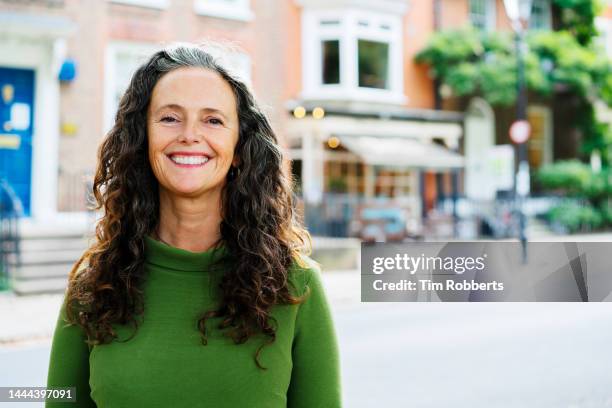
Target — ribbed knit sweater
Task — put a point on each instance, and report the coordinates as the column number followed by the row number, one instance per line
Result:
column 166, row 365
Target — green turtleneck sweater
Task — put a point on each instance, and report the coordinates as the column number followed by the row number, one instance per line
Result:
column 166, row 365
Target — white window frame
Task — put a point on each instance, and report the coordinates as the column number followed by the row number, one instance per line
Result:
column 241, row 65
column 240, row 11
column 113, row 49
column 348, row 31
column 234, row 59
column 490, row 14
column 547, row 16
column 156, row 4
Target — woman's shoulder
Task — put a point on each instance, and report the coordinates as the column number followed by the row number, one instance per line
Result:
column 303, row 272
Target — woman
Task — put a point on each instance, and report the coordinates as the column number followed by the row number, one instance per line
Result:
column 198, row 291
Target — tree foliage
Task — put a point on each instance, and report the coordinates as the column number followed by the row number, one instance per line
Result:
column 578, row 17
column 563, row 62
column 470, row 62
column 587, row 193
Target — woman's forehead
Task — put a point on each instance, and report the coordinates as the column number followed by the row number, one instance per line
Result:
column 194, row 88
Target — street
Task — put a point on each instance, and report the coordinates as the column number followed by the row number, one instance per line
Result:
column 137, row 132
column 443, row 354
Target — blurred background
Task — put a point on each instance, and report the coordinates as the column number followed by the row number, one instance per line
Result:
column 401, row 120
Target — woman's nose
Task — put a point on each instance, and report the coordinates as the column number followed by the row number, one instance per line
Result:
column 191, row 132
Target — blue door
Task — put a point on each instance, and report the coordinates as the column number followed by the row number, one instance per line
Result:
column 16, row 127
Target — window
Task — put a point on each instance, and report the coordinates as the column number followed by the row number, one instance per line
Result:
column 352, row 54
column 228, row 9
column 540, row 15
column 539, row 145
column 331, row 62
column 482, row 14
column 373, row 64
column 394, row 183
column 122, row 60
column 344, row 177
column 237, row 63
column 157, row 4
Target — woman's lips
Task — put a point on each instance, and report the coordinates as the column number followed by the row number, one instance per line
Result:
column 188, row 160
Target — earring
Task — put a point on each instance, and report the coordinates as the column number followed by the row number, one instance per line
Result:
column 232, row 173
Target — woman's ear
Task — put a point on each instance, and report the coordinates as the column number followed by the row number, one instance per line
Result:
column 236, row 161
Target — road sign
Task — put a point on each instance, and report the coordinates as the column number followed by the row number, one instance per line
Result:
column 520, row 131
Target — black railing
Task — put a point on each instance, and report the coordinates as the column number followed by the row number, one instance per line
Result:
column 339, row 214
column 343, row 215
column 11, row 210
column 331, row 217
column 75, row 191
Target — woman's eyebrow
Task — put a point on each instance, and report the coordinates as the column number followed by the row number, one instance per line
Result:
column 179, row 107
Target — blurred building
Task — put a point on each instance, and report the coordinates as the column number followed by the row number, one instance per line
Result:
column 381, row 138
column 553, row 136
column 65, row 63
column 359, row 118
column 390, row 130
column 364, row 125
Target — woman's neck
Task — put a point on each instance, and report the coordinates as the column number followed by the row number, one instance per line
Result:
column 188, row 223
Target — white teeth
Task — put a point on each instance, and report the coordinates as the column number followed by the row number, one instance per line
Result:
column 189, row 159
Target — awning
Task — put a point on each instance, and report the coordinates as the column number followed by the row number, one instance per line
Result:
column 377, row 127
column 402, row 152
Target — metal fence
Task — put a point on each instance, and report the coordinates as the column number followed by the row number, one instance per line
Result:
column 75, row 191
column 332, row 215
column 335, row 215
column 11, row 210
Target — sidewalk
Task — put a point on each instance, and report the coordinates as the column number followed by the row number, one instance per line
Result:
column 27, row 318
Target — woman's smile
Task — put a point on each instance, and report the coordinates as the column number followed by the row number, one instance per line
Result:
column 189, row 160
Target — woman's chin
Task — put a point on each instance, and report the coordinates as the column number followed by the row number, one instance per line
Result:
column 189, row 189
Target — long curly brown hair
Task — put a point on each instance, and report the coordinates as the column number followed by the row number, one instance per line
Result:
column 259, row 227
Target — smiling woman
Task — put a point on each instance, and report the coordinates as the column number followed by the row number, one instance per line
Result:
column 186, row 104
column 199, row 291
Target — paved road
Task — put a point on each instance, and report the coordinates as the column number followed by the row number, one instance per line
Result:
column 477, row 355
column 504, row 355
column 24, row 366
column 440, row 355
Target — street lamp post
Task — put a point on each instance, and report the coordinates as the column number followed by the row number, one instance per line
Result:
column 312, row 171
column 518, row 12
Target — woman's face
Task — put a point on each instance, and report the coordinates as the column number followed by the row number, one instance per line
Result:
column 192, row 129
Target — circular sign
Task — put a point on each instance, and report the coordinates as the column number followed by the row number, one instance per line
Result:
column 520, row 131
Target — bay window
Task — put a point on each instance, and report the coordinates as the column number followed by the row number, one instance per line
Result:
column 352, row 54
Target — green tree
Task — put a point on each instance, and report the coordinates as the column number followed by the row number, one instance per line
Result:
column 470, row 62
column 473, row 62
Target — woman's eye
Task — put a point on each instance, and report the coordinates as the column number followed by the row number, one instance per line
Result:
column 215, row 121
column 168, row 119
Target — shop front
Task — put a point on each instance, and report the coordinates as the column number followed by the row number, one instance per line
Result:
column 349, row 169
